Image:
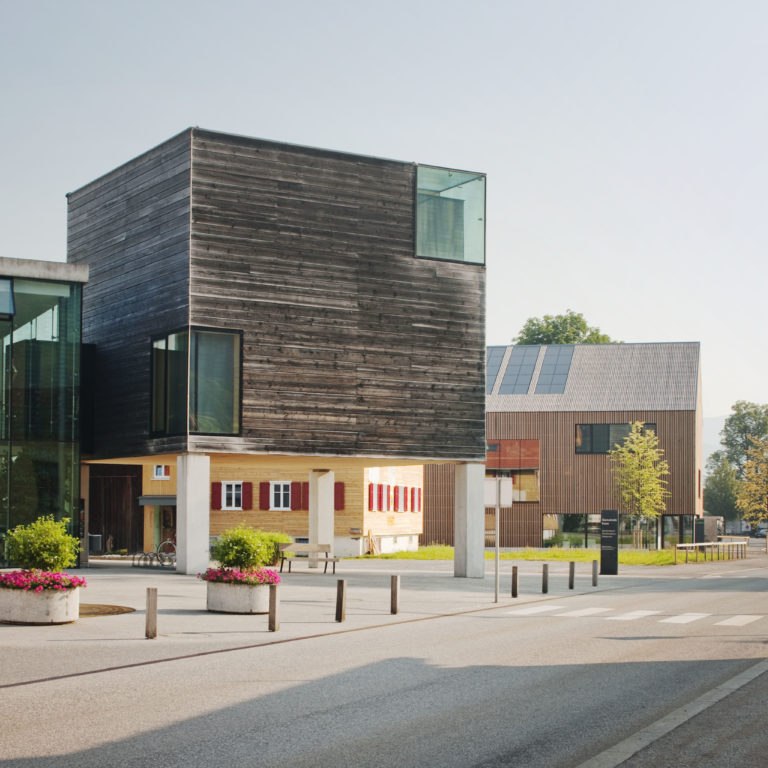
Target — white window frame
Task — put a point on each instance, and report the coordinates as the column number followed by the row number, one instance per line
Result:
column 231, row 491
column 283, row 488
column 159, row 473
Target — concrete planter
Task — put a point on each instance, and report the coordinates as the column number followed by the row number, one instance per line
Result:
column 237, row 598
column 51, row 606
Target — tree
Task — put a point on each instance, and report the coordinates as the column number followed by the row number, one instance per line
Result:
column 720, row 489
column 752, row 496
column 639, row 469
column 748, row 420
column 570, row 328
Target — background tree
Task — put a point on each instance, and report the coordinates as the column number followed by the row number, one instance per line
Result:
column 720, row 489
column 748, row 420
column 570, row 328
column 752, row 496
column 639, row 469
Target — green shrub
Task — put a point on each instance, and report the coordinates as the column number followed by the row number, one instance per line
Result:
column 245, row 548
column 43, row 544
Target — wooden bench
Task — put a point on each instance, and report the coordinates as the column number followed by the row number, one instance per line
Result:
column 290, row 552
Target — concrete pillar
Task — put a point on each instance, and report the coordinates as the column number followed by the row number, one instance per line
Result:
column 320, row 509
column 469, row 521
column 193, row 493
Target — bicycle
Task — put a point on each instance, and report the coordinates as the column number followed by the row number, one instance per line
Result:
column 166, row 552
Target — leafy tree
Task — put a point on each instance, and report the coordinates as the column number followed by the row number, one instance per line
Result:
column 570, row 328
column 721, row 488
column 752, row 496
column 748, row 420
column 639, row 469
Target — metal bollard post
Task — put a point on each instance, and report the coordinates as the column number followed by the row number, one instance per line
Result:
column 594, row 573
column 341, row 600
column 395, row 596
column 571, row 574
column 545, row 578
column 274, row 609
column 514, row 581
column 151, row 625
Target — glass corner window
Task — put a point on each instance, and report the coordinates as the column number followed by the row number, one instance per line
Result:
column 196, row 382
column 450, row 215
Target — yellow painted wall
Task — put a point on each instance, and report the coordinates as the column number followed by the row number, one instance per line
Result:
column 393, row 523
column 257, row 469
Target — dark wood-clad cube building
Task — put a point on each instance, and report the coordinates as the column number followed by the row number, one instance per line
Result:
column 553, row 413
column 285, row 332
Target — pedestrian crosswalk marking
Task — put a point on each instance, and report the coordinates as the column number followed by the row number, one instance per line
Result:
column 631, row 616
column 738, row 621
column 535, row 609
column 685, row 618
column 584, row 612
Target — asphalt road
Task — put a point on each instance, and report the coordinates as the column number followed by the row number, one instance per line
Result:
column 553, row 682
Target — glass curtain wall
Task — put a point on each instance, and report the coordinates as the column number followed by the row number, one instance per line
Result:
column 39, row 403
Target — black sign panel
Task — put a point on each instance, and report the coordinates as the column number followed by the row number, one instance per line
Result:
column 609, row 542
column 698, row 530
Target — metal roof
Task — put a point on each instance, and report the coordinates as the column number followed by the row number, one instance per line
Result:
column 610, row 377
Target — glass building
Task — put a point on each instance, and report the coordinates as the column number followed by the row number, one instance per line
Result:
column 40, row 318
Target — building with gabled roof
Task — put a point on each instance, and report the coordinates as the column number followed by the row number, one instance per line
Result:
column 552, row 414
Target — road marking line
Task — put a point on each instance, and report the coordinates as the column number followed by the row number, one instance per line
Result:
column 621, row 752
column 631, row 616
column 534, row 609
column 684, row 618
column 584, row 612
column 738, row 621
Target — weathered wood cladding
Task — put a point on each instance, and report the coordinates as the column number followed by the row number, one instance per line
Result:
column 131, row 227
column 351, row 345
column 570, row 483
column 582, row 483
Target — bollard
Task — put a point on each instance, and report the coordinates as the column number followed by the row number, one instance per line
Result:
column 395, row 596
column 341, row 600
column 151, row 626
column 594, row 573
column 274, row 609
column 571, row 574
column 514, row 581
column 545, row 578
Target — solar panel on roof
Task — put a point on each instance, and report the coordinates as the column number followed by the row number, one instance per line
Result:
column 494, row 356
column 517, row 376
column 553, row 375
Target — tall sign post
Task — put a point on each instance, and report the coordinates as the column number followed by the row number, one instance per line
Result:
column 498, row 493
column 609, row 542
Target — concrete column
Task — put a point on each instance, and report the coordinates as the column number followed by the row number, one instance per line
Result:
column 469, row 521
column 320, row 509
column 193, row 493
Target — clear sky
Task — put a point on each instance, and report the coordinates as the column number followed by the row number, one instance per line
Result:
column 624, row 140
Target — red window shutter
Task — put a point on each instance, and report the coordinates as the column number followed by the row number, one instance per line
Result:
column 413, row 499
column 389, row 499
column 338, row 496
column 263, row 495
column 370, row 496
column 419, row 500
column 215, row 495
column 397, row 498
column 380, row 494
column 304, row 496
column 405, row 499
column 247, row 495
column 295, row 496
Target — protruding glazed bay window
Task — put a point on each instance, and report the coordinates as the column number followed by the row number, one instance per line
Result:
column 450, row 215
column 196, row 383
